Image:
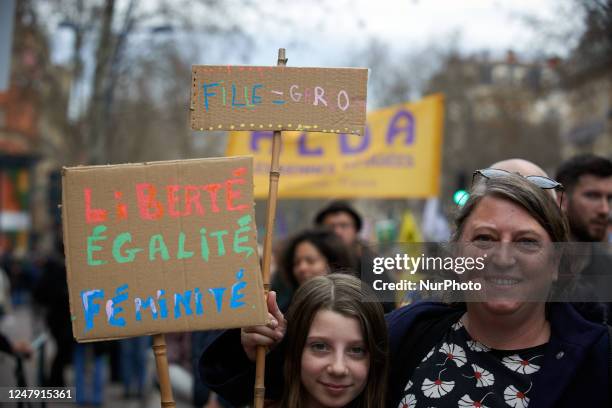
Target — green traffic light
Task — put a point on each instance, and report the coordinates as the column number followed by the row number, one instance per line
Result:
column 460, row 197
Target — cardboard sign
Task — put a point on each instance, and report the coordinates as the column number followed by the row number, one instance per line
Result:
column 399, row 156
column 161, row 247
column 329, row 100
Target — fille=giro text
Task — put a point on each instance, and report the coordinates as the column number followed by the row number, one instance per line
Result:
column 425, row 284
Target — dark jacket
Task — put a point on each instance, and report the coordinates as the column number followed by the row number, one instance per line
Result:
column 225, row 369
column 574, row 372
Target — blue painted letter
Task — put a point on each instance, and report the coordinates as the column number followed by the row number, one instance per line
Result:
column 207, row 94
column 112, row 308
column 184, row 300
column 91, row 309
column 236, row 288
column 218, row 295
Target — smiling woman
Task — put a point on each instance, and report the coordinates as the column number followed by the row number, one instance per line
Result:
column 521, row 261
column 510, row 343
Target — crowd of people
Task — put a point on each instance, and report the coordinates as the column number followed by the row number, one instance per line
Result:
column 332, row 342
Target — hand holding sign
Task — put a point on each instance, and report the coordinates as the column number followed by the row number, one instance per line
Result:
column 267, row 336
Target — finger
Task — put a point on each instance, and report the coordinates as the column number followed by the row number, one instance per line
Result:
column 273, row 307
column 254, row 339
column 271, row 323
column 271, row 301
column 263, row 331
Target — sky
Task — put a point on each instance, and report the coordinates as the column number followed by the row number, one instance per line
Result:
column 319, row 32
column 332, row 30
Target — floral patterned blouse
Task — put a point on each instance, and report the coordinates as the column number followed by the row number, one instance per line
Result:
column 461, row 372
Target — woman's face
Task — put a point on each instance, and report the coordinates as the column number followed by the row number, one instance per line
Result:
column 308, row 262
column 519, row 256
column 335, row 362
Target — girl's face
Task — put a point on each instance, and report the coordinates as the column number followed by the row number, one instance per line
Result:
column 308, row 262
column 335, row 362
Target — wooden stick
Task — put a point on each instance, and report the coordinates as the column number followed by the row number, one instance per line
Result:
column 260, row 362
column 161, row 361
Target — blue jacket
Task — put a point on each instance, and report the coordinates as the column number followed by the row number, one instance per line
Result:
column 574, row 371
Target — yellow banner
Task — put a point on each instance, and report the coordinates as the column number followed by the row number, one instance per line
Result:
column 398, row 157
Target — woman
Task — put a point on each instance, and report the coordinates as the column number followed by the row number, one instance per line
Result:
column 306, row 255
column 517, row 351
column 337, row 346
column 508, row 349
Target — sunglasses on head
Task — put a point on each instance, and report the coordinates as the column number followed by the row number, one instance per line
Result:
column 544, row 183
column 540, row 181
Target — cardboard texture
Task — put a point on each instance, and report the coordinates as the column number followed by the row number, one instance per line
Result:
column 329, row 100
column 399, row 156
column 161, row 247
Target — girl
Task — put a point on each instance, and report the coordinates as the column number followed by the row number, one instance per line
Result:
column 337, row 344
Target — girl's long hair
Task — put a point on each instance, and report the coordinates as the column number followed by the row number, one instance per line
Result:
column 347, row 296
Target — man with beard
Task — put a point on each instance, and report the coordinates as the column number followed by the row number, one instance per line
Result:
column 587, row 203
column 588, row 184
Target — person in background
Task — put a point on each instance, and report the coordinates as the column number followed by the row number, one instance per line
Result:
column 587, row 204
column 20, row 347
column 341, row 218
column 588, row 184
column 19, row 276
column 51, row 292
column 346, row 223
column 179, row 365
column 527, row 169
column 90, row 372
column 308, row 254
column 201, row 394
column 12, row 354
column 134, row 365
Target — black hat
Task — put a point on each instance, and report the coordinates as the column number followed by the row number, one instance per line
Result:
column 336, row 207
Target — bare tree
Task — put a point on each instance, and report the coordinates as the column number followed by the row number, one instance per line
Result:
column 125, row 35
